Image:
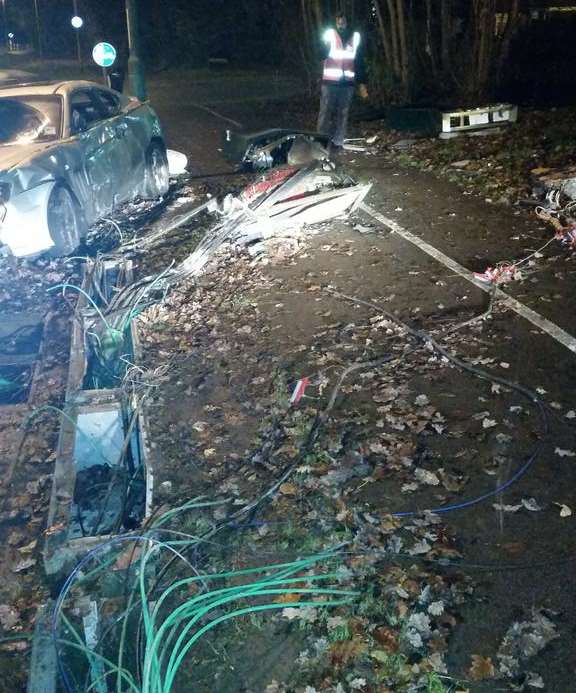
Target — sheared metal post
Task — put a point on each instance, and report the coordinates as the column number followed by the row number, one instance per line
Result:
column 136, row 78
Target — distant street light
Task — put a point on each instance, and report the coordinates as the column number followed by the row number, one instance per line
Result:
column 77, row 25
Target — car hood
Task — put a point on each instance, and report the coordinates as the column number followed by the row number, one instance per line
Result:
column 14, row 154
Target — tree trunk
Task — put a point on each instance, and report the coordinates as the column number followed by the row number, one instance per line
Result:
column 384, row 34
column 403, row 48
column 430, row 39
column 395, row 42
column 446, row 31
column 509, row 33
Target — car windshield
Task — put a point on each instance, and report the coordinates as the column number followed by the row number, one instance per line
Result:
column 26, row 119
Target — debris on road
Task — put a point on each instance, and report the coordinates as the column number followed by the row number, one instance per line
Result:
column 269, row 148
column 523, row 641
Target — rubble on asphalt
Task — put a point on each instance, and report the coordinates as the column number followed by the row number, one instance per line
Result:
column 322, row 425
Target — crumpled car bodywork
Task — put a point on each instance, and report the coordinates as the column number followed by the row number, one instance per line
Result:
column 102, row 165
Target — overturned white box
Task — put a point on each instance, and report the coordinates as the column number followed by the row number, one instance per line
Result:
column 479, row 118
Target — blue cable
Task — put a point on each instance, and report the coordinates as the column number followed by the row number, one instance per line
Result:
column 479, row 499
column 68, row 584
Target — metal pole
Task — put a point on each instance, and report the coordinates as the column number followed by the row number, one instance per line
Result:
column 78, row 46
column 136, row 77
column 5, row 21
column 38, row 29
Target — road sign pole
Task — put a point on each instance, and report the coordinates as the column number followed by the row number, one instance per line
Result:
column 136, row 77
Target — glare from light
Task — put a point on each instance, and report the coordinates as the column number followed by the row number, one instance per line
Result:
column 77, row 22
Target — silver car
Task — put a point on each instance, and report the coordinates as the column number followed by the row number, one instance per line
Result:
column 70, row 152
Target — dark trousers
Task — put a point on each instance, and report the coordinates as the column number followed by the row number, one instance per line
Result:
column 335, row 100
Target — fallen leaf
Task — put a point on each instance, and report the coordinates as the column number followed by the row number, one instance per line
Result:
column 564, row 453
column 514, row 548
column 24, row 565
column 386, row 638
column 343, row 651
column 420, row 547
column 565, row 510
column 481, row 668
column 426, row 477
column 288, row 489
column 290, row 598
column 506, row 508
column 489, row 423
column 531, row 504
column 436, row 608
column 9, row 616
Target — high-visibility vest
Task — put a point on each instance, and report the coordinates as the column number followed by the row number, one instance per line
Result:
column 339, row 65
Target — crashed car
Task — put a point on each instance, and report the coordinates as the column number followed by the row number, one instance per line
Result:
column 70, row 152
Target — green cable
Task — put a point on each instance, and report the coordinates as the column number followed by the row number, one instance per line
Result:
column 81, row 291
column 190, row 505
column 253, row 593
column 194, row 606
column 90, row 654
column 289, row 568
column 234, row 614
column 236, row 592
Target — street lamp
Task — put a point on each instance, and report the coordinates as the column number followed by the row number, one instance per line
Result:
column 77, row 22
column 136, row 76
column 5, row 23
column 38, row 28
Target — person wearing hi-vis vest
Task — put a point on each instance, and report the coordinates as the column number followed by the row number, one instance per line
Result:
column 343, row 69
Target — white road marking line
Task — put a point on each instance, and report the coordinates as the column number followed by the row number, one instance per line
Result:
column 532, row 316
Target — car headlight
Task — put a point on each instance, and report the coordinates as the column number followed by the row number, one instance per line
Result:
column 5, row 190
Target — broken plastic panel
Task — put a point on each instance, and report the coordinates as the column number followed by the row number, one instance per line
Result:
column 266, row 149
column 285, row 198
column 479, row 118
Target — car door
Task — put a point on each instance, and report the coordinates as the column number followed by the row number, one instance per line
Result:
column 129, row 153
column 100, row 149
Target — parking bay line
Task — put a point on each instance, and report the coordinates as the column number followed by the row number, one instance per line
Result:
column 532, row 316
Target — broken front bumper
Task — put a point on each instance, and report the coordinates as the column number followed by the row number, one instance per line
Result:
column 24, row 229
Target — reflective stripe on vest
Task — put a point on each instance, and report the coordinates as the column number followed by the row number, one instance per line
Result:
column 339, row 65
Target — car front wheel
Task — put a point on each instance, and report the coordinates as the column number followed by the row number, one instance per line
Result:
column 157, row 175
column 65, row 221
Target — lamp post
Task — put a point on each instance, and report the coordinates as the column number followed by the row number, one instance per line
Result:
column 136, row 77
column 38, row 28
column 77, row 26
column 5, row 23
